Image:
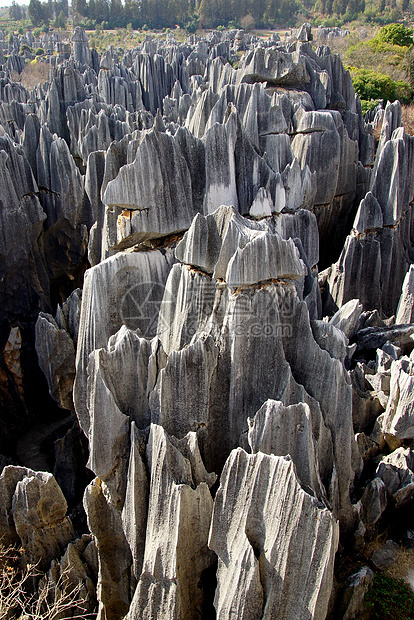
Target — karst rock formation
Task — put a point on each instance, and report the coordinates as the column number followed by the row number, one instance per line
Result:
column 207, row 285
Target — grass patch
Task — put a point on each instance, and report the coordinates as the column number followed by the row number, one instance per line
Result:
column 389, row 599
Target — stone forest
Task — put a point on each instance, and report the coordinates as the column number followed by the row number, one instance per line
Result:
column 207, row 332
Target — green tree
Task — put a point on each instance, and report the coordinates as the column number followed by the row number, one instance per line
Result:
column 80, row 7
column 339, row 7
column 60, row 5
column 375, row 85
column 38, row 12
column 92, row 9
column 116, row 14
column 101, row 10
column 60, row 21
column 208, row 13
column 16, row 12
column 288, row 9
column 397, row 34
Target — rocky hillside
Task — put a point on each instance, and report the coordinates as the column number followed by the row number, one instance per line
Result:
column 206, row 260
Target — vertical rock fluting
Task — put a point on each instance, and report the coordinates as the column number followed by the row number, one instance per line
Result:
column 270, row 536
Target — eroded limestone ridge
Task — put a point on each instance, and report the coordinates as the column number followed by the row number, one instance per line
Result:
column 165, row 217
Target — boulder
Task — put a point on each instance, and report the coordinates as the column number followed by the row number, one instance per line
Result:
column 39, row 515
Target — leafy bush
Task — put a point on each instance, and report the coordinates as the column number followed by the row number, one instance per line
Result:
column 332, row 22
column 387, row 58
column 389, row 599
column 234, row 24
column 370, row 84
column 369, row 105
column 40, row 51
column 192, row 25
column 24, row 48
column 396, row 34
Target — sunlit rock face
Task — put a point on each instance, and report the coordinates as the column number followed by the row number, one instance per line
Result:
column 165, row 219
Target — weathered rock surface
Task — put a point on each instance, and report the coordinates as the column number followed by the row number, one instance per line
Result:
column 124, row 280
column 283, row 431
column 176, row 552
column 396, row 472
column 273, row 553
column 356, row 587
column 398, row 419
column 405, row 309
column 104, row 520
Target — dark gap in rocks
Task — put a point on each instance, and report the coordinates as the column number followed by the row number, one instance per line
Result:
column 334, row 224
column 402, row 521
column 19, row 411
column 63, row 285
column 208, row 583
column 215, row 487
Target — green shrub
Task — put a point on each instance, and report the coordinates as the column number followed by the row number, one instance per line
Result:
column 370, row 84
column 387, row 58
column 389, row 599
column 234, row 24
column 192, row 25
column 369, row 105
column 332, row 22
column 24, row 48
column 40, row 51
column 396, row 34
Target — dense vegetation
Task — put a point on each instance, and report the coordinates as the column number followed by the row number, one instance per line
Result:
column 391, row 53
column 44, row 12
column 191, row 14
